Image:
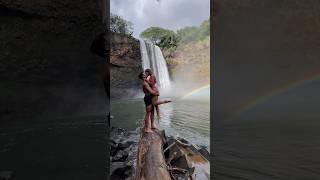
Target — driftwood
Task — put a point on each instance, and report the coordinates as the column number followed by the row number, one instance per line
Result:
column 151, row 164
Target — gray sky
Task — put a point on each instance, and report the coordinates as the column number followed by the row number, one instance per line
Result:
column 169, row 14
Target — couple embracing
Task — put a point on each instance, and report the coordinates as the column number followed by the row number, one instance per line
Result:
column 151, row 92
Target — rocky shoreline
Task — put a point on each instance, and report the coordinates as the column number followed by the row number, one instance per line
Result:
column 185, row 161
column 123, row 153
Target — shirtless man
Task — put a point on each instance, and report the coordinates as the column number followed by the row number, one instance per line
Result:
column 148, row 102
column 152, row 80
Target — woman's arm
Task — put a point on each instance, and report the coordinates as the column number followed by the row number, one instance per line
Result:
column 146, row 85
column 148, row 78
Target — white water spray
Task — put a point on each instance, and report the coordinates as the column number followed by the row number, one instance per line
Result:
column 152, row 58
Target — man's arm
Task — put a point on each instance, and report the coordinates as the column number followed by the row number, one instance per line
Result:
column 146, row 85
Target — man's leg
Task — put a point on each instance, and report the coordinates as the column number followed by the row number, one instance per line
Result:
column 146, row 119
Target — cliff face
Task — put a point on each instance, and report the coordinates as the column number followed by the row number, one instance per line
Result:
column 45, row 61
column 52, row 95
column 194, row 58
column 125, row 59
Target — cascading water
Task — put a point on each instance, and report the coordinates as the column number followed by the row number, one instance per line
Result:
column 152, row 58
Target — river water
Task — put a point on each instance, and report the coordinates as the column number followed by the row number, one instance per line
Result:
column 276, row 139
column 187, row 118
column 51, row 148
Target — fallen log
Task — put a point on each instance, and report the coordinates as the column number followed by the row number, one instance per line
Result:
column 151, row 164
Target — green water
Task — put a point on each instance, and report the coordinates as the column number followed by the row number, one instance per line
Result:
column 188, row 118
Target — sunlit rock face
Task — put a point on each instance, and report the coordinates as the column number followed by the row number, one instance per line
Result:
column 46, row 66
column 125, row 66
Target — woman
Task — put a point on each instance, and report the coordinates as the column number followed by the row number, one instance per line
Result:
column 149, row 93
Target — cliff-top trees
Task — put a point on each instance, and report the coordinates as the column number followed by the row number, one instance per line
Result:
column 120, row 25
column 163, row 38
column 194, row 33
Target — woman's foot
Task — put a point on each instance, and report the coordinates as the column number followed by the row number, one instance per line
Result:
column 153, row 126
column 167, row 101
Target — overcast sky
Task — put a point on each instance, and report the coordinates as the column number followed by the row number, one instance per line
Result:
column 169, row 14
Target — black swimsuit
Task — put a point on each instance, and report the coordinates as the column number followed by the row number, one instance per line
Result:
column 147, row 99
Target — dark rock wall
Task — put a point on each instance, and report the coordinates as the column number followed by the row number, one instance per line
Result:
column 45, row 61
column 125, row 59
column 53, row 102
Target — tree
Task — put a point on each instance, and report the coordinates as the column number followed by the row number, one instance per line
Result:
column 120, row 25
column 163, row 38
column 187, row 34
column 204, row 30
column 193, row 33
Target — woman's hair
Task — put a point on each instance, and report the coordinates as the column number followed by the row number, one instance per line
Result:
column 141, row 75
column 148, row 71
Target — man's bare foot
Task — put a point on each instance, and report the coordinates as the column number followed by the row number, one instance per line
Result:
column 147, row 130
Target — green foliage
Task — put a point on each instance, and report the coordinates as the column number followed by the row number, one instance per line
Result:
column 120, row 25
column 163, row 38
column 189, row 34
column 169, row 40
column 204, row 30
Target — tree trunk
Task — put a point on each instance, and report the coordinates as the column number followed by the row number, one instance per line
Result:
column 151, row 163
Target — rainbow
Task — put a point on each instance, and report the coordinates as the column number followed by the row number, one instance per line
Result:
column 196, row 90
column 265, row 96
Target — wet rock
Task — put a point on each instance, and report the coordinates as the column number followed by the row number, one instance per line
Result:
column 185, row 167
column 130, row 163
column 115, row 131
column 125, row 60
column 120, row 156
column 182, row 162
column 113, row 149
column 122, row 153
column 174, row 153
column 120, row 171
column 115, row 141
column 116, row 165
column 124, row 145
column 182, row 177
column 182, row 156
column 205, row 153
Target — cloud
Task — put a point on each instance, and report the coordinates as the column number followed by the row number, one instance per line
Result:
column 170, row 14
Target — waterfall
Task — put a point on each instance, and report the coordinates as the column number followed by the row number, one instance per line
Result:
column 152, row 58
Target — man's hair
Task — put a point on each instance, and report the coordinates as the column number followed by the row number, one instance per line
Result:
column 141, row 75
column 149, row 71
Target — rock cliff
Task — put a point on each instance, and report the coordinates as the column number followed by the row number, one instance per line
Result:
column 46, row 65
column 194, row 58
column 125, row 61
